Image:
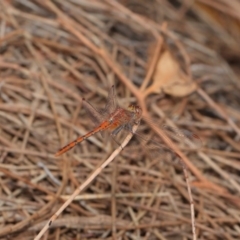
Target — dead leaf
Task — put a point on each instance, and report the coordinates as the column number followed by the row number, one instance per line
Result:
column 170, row 79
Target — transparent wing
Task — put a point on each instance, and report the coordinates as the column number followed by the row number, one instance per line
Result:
column 183, row 136
column 153, row 146
column 151, row 151
column 98, row 116
column 111, row 104
column 95, row 116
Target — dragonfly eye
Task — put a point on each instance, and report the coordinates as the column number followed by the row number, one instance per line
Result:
column 135, row 109
column 131, row 107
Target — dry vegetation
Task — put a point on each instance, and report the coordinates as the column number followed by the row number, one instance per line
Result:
column 178, row 59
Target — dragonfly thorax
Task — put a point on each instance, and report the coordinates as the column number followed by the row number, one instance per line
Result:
column 136, row 110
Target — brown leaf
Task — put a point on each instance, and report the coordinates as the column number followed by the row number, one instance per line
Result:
column 170, row 79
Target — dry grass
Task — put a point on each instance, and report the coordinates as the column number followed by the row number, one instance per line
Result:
column 53, row 53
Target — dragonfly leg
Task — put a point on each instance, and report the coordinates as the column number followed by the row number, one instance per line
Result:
column 119, row 144
column 117, row 130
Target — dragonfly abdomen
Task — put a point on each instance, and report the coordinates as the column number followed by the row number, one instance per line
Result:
column 72, row 144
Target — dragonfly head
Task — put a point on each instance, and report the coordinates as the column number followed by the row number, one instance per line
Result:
column 136, row 110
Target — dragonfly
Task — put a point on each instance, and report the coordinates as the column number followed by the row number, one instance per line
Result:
column 115, row 119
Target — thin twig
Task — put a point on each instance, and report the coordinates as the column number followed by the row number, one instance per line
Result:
column 92, row 176
column 190, row 200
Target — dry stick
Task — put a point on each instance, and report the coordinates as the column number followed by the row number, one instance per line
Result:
column 113, row 200
column 153, row 63
column 43, row 76
column 215, row 106
column 184, row 167
column 190, row 199
column 72, row 27
column 91, row 177
column 231, row 9
column 10, row 36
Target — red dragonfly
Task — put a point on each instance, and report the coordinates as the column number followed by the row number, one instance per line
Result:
column 116, row 119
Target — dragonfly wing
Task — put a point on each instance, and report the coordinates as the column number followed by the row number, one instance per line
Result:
column 183, row 135
column 152, row 148
column 111, row 104
column 95, row 116
column 98, row 116
column 155, row 145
